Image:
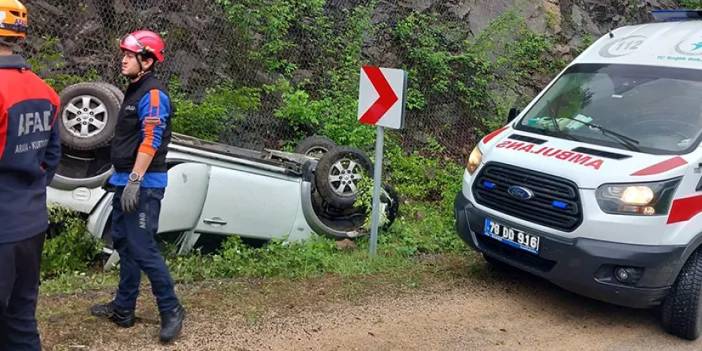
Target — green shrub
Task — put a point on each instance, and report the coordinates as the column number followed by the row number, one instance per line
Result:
column 423, row 178
column 209, row 118
column 72, row 249
column 691, row 4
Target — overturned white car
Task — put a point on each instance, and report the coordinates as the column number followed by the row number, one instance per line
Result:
column 214, row 188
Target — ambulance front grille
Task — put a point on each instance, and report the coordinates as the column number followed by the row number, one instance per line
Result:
column 554, row 201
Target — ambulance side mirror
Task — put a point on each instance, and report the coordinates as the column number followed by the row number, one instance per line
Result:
column 513, row 113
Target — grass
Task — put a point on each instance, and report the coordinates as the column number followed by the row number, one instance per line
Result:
column 422, row 230
column 65, row 322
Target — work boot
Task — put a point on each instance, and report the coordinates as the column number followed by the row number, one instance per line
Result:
column 123, row 318
column 171, row 324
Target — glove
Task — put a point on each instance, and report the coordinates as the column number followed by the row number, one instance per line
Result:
column 130, row 196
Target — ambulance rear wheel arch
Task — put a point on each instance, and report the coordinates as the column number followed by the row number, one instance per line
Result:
column 694, row 246
column 681, row 313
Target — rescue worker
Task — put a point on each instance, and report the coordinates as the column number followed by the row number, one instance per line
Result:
column 30, row 151
column 138, row 154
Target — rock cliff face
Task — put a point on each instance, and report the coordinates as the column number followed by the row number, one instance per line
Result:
column 77, row 40
column 202, row 43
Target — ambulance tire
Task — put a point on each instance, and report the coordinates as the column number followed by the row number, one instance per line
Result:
column 88, row 115
column 681, row 313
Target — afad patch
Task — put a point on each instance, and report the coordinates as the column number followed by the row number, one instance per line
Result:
column 546, row 151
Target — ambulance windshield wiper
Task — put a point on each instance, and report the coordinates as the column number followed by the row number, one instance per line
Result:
column 560, row 131
column 629, row 142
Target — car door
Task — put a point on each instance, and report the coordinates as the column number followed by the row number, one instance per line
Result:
column 250, row 202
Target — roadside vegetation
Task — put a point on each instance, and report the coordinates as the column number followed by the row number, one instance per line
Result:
column 483, row 76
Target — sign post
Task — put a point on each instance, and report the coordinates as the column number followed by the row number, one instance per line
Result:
column 381, row 102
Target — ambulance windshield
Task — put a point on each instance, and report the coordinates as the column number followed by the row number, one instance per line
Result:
column 656, row 110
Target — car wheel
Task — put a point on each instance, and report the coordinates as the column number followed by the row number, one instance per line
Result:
column 315, row 146
column 89, row 169
column 107, row 235
column 88, row 115
column 346, row 219
column 393, row 205
column 338, row 174
column 117, row 92
column 681, row 310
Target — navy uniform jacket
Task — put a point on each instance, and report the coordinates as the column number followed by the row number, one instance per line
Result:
column 30, row 149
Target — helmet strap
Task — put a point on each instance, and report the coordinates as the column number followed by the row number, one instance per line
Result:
column 141, row 68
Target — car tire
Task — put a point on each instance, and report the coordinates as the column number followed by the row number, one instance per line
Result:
column 88, row 115
column 681, row 313
column 348, row 219
column 338, row 173
column 315, row 146
column 64, row 183
column 117, row 92
column 393, row 208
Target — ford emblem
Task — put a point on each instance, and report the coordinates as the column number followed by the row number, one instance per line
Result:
column 520, row 192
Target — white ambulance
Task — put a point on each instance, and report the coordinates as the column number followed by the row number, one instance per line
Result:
column 597, row 185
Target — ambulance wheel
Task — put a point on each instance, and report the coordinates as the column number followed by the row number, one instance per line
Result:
column 681, row 312
column 88, row 115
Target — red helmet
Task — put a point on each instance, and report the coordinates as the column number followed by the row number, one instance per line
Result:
column 144, row 41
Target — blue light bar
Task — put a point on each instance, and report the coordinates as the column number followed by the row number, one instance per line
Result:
column 676, row 15
column 559, row 204
column 489, row 185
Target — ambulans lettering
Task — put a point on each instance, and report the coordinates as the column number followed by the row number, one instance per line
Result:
column 580, row 159
column 527, row 148
column 514, row 146
column 551, row 152
column 564, row 155
column 568, row 156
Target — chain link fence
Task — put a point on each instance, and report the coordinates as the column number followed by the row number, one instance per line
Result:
column 283, row 59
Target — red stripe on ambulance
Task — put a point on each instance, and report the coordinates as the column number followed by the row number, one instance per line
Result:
column 547, row 151
column 684, row 209
column 492, row 135
column 661, row 167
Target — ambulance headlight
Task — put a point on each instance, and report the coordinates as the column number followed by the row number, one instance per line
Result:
column 474, row 160
column 642, row 199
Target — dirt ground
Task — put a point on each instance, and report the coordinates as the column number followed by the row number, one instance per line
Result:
column 452, row 309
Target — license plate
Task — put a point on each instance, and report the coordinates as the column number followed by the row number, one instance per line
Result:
column 510, row 236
